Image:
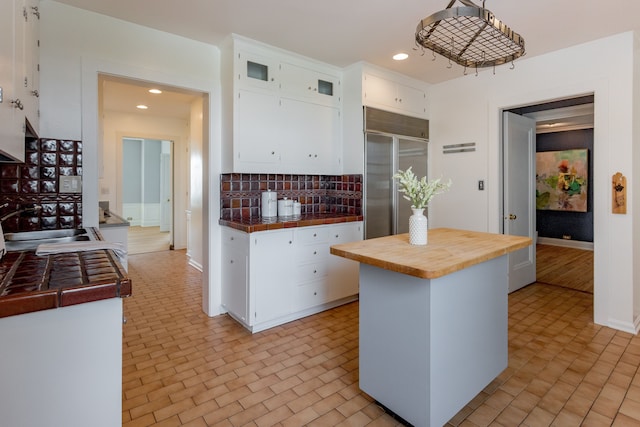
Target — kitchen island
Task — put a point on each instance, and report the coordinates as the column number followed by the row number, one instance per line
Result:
column 433, row 319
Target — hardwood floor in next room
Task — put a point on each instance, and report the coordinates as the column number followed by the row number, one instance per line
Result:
column 564, row 266
column 147, row 239
column 182, row 368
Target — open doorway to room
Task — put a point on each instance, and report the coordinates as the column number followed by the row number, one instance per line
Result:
column 147, row 174
column 146, row 198
column 564, row 191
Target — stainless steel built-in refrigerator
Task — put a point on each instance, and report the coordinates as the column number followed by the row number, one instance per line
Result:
column 392, row 142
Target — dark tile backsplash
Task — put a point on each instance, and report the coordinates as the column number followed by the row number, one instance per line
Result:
column 36, row 182
column 241, row 194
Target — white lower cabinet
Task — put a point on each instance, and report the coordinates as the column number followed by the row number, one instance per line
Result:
column 272, row 277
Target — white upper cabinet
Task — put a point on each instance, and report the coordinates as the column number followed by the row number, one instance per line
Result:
column 257, row 130
column 393, row 95
column 286, row 112
column 308, row 84
column 11, row 117
column 311, row 137
column 18, row 74
column 256, row 71
column 31, row 66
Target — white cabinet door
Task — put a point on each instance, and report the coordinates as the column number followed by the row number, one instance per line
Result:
column 12, row 105
column 380, row 91
column 271, row 275
column 234, row 283
column 256, row 71
column 310, row 138
column 257, row 132
column 235, row 273
column 343, row 273
column 30, row 67
column 308, row 84
column 412, row 100
column 388, row 94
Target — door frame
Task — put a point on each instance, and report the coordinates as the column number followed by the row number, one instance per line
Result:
column 600, row 91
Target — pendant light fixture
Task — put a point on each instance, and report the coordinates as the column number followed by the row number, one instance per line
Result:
column 470, row 36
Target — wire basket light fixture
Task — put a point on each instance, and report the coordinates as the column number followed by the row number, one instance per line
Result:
column 470, row 36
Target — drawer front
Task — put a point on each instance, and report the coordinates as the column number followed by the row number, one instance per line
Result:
column 310, row 295
column 310, row 272
column 234, row 239
column 312, row 235
column 345, row 233
column 311, row 253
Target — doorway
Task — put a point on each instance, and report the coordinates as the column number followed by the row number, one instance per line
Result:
column 159, row 141
column 146, row 198
column 564, row 237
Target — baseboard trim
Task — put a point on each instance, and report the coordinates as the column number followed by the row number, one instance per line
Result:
column 566, row 243
column 196, row 265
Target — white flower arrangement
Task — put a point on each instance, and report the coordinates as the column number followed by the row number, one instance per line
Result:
column 419, row 191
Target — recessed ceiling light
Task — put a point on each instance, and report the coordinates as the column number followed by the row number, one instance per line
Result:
column 142, row 107
column 400, row 56
column 155, row 91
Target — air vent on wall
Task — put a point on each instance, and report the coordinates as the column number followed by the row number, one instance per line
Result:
column 459, row 148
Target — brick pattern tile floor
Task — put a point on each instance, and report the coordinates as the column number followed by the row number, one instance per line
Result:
column 182, row 368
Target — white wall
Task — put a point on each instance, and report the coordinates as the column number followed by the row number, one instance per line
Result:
column 195, row 199
column 635, row 184
column 117, row 125
column 76, row 46
column 467, row 109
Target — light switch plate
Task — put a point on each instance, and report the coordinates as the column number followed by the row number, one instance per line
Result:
column 70, row 184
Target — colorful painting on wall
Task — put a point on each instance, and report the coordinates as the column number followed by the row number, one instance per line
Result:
column 561, row 180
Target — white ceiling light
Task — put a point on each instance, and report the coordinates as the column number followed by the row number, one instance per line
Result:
column 155, row 91
column 400, row 56
column 142, row 107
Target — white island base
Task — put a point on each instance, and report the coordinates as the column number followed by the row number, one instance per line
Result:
column 429, row 346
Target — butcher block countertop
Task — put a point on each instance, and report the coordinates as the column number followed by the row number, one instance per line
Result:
column 448, row 250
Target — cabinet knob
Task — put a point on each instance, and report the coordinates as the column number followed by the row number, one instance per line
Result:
column 273, row 152
column 315, row 293
column 314, row 234
column 315, row 271
column 315, row 252
column 17, row 104
column 337, row 235
column 231, row 238
column 290, row 242
column 231, row 262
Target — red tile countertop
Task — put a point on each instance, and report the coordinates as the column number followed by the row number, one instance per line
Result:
column 250, row 225
column 31, row 283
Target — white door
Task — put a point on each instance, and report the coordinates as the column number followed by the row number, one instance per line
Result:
column 166, row 190
column 519, row 141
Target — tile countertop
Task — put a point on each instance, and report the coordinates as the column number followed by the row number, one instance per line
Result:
column 251, row 225
column 31, row 283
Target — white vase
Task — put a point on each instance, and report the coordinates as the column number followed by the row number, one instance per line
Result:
column 417, row 227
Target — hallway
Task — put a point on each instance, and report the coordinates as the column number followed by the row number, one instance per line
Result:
column 182, row 368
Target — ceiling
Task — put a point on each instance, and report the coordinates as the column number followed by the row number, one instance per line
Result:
column 342, row 32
